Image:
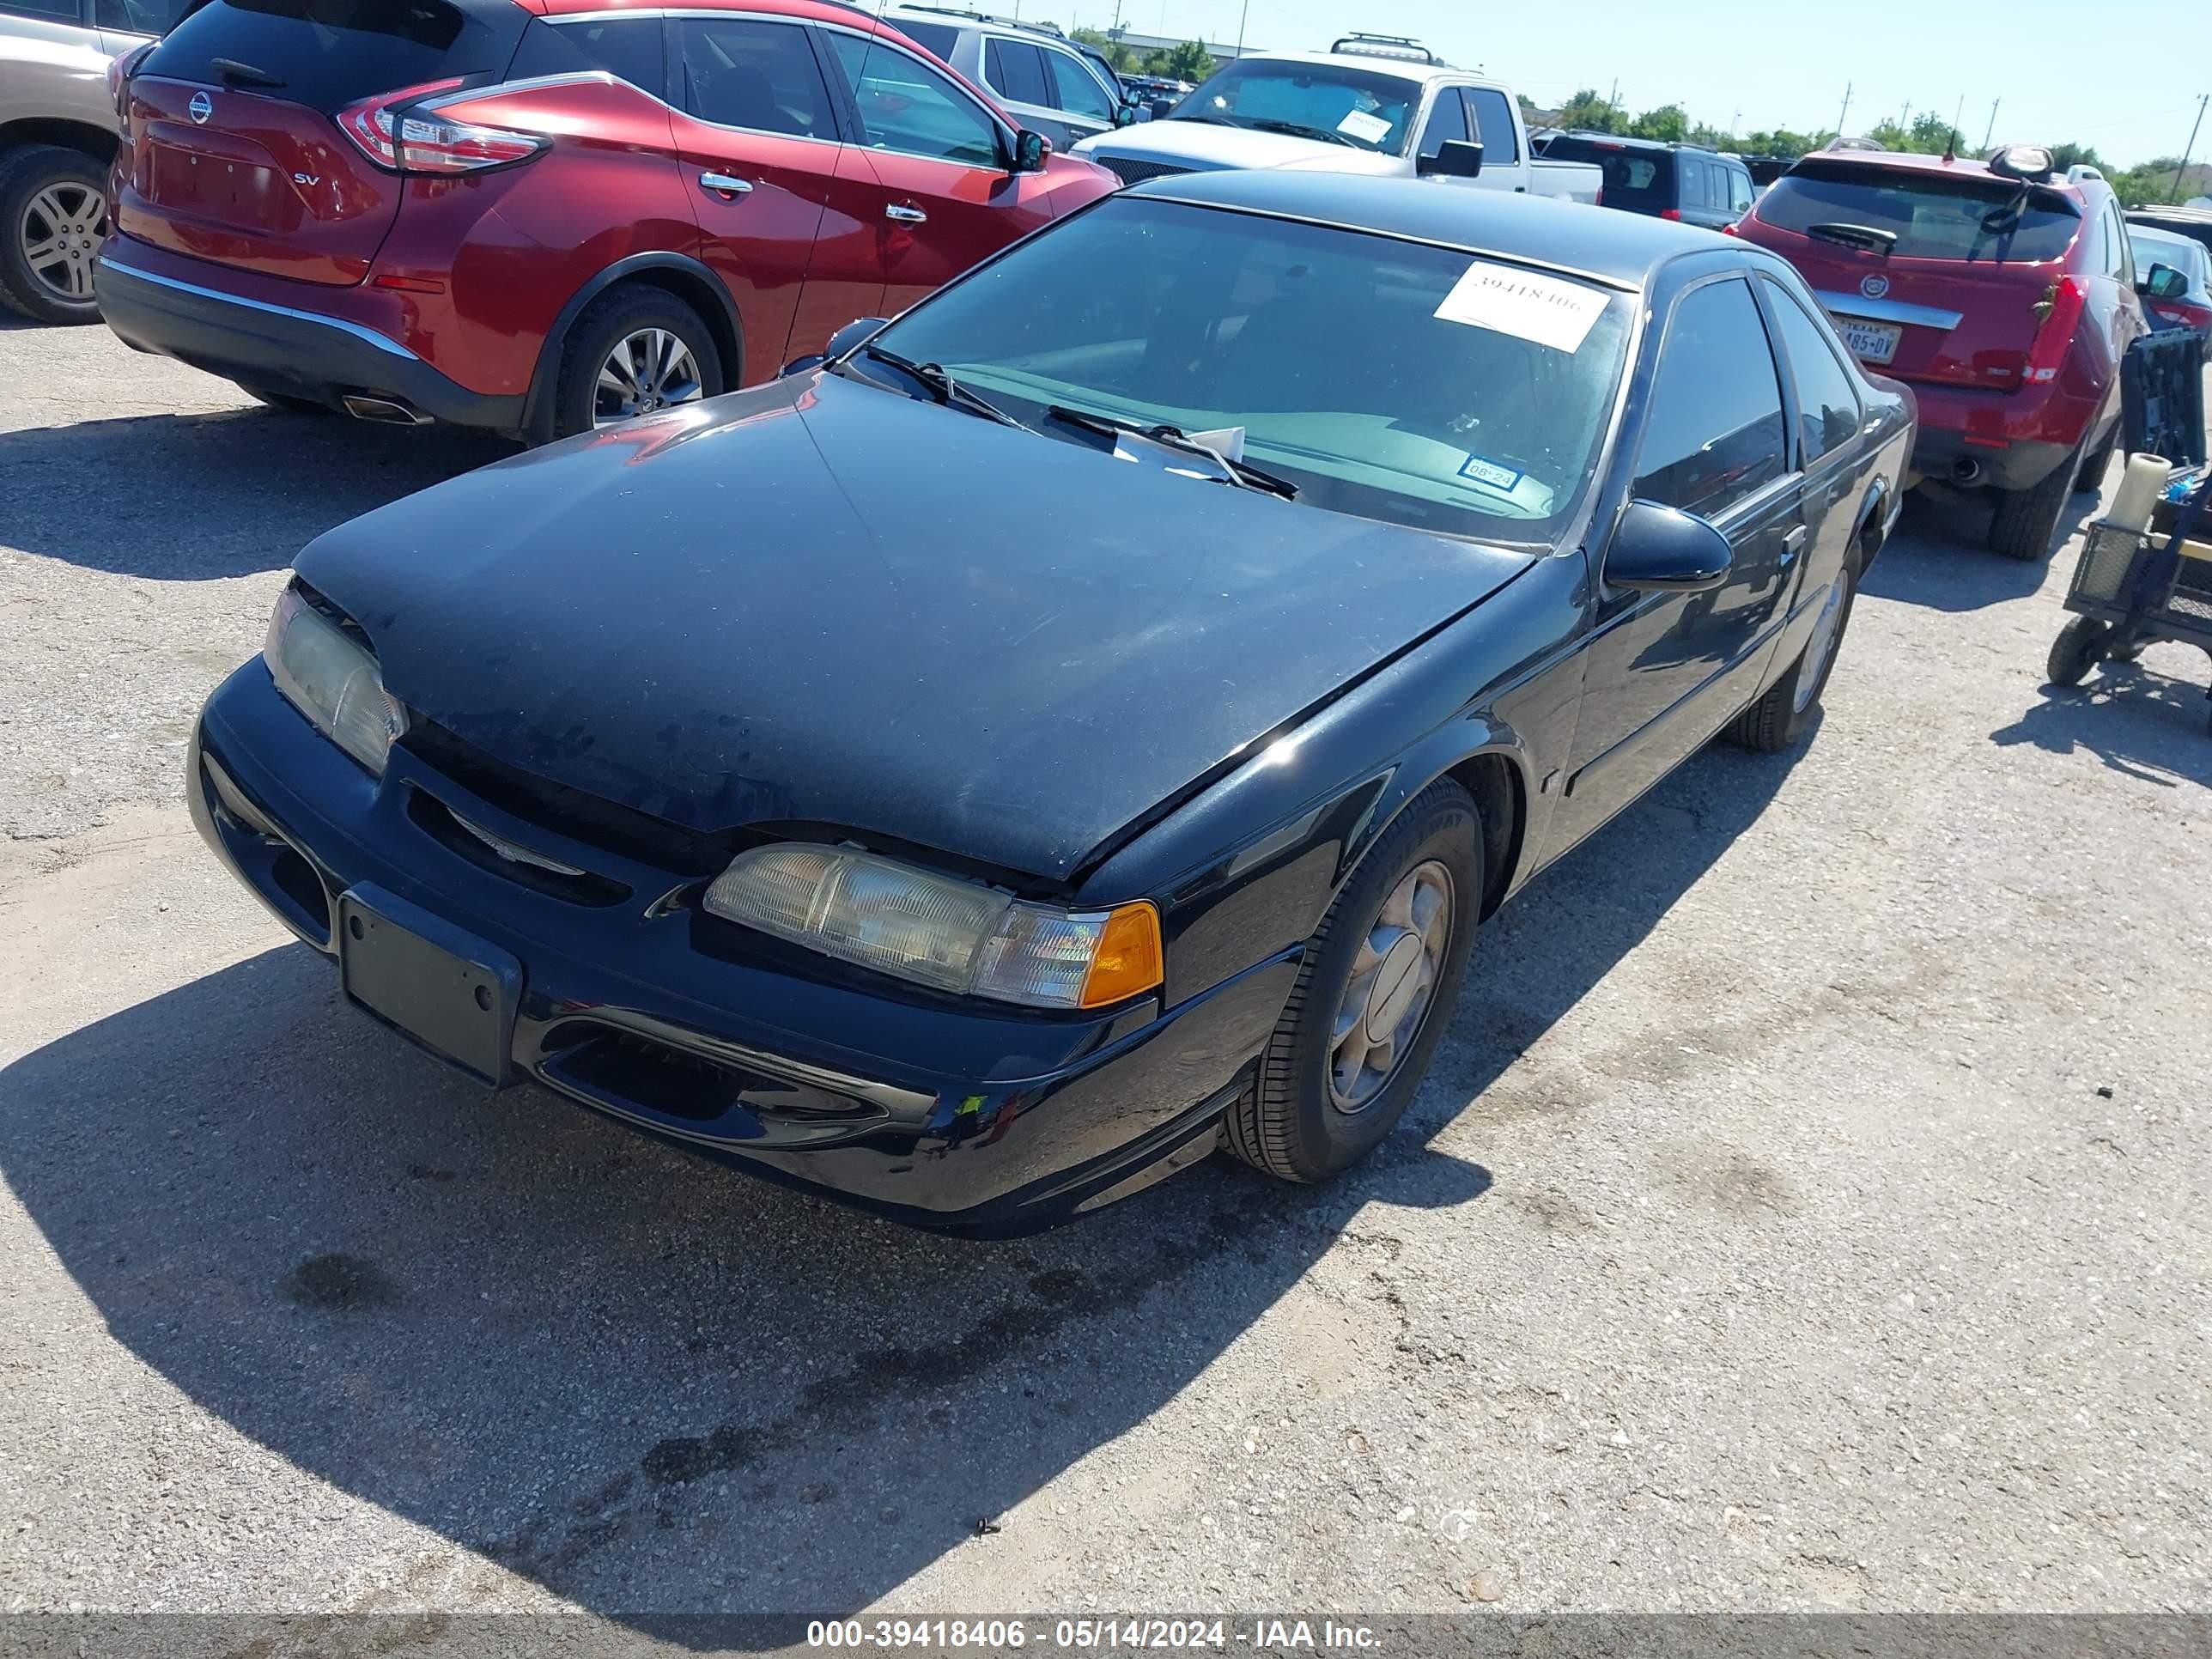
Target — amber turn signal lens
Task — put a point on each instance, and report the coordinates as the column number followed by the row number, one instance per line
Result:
column 1128, row 959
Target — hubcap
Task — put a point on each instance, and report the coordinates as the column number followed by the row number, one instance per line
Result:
column 645, row 371
column 1818, row 647
column 1394, row 983
column 62, row 227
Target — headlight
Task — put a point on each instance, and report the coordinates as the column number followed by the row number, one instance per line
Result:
column 954, row 935
column 331, row 678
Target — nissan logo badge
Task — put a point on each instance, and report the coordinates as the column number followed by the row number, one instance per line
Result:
column 201, row 107
column 1873, row 287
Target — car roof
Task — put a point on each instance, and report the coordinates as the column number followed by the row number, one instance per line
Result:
column 1623, row 249
column 1405, row 69
column 1622, row 141
column 1901, row 160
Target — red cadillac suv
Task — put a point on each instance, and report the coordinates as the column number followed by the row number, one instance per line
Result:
column 2001, row 292
column 543, row 216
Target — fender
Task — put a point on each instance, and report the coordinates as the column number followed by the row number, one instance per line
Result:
column 538, row 410
column 1878, row 508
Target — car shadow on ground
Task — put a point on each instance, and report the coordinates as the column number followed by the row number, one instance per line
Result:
column 2137, row 720
column 1940, row 556
column 196, row 497
column 653, row 1385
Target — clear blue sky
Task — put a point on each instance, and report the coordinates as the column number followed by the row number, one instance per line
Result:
column 1782, row 63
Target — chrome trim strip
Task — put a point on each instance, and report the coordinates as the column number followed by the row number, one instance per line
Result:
column 888, row 1095
column 368, row 335
column 1888, row 311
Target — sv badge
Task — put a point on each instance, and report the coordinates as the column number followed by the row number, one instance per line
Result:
column 306, row 179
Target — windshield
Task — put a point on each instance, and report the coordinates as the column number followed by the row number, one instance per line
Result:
column 1359, row 107
column 1384, row 379
column 1971, row 216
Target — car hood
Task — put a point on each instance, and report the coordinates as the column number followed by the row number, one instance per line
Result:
column 1200, row 145
column 822, row 602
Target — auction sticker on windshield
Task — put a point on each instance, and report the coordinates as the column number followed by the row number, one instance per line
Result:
column 1358, row 124
column 1525, row 304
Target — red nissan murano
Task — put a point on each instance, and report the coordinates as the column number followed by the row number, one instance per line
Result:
column 543, row 216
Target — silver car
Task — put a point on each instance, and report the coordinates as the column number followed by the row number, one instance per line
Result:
column 57, row 138
column 1050, row 84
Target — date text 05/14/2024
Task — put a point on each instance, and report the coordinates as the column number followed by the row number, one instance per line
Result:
column 997, row 1635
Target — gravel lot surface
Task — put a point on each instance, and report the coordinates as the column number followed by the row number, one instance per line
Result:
column 1808, row 1208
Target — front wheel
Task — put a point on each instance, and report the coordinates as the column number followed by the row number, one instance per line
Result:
column 53, row 217
column 2079, row 648
column 1372, row 996
column 1780, row 718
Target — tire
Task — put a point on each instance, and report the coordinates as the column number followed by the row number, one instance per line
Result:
column 2099, row 460
column 2027, row 520
column 632, row 314
column 54, row 200
column 1781, row 717
column 2079, row 648
column 1300, row 1122
column 284, row 400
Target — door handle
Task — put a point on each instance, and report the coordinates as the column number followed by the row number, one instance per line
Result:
column 1793, row 543
column 723, row 182
column 901, row 213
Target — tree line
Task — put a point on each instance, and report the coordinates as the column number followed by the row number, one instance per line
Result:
column 1928, row 134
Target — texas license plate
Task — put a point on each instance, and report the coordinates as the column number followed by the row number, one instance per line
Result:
column 451, row 993
column 1870, row 343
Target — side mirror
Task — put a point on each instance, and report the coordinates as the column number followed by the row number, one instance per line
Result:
column 2165, row 282
column 848, row 338
column 1161, row 108
column 1127, row 115
column 1664, row 550
column 1030, row 151
column 1455, row 158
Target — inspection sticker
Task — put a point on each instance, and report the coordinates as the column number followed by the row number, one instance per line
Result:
column 1489, row 475
column 1360, row 124
column 1525, row 304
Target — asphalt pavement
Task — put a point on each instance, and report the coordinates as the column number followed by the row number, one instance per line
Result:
column 1807, row 1208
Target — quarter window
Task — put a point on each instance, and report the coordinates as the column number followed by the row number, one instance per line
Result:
column 1828, row 402
column 1493, row 123
column 53, row 11
column 627, row 48
column 1075, row 88
column 1713, row 433
column 907, row 106
column 130, row 16
column 1015, row 70
column 740, row 72
column 1692, row 172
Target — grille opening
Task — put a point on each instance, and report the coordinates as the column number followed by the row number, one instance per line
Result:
column 1131, row 171
column 299, row 884
column 444, row 826
column 624, row 1067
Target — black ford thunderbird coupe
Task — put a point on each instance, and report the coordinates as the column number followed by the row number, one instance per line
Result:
column 1083, row 721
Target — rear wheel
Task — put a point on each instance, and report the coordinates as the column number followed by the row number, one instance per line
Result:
column 1372, row 997
column 2091, row 476
column 2027, row 520
column 53, row 217
column 635, row 349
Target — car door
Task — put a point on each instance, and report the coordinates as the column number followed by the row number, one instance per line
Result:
column 1666, row 671
column 1826, row 403
column 757, row 133
column 1015, row 70
column 943, row 195
column 1086, row 107
column 1492, row 118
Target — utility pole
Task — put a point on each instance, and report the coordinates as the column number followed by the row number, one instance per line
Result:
column 2189, row 148
column 1904, row 120
column 1992, row 130
column 1241, row 16
column 1846, row 111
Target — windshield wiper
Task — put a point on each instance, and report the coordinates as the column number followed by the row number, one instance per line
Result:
column 1861, row 236
column 942, row 388
column 236, row 74
column 1297, row 129
column 1243, row 474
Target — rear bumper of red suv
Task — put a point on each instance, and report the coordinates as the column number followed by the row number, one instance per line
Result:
column 245, row 330
column 2006, row 439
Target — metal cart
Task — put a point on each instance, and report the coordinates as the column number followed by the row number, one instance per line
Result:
column 2133, row 588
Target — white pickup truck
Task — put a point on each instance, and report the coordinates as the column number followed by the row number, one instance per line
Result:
column 1371, row 104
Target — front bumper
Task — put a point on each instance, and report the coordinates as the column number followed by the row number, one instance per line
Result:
column 284, row 348
column 936, row 1114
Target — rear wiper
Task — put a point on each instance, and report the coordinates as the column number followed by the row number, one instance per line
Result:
column 1243, row 474
column 1862, row 236
column 236, row 74
column 942, row 388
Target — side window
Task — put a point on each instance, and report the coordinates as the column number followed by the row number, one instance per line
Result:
column 1494, row 122
column 1692, row 172
column 1447, row 122
column 57, row 11
column 629, row 48
column 907, row 106
column 1075, row 87
column 1740, row 196
column 1713, row 429
column 1827, row 401
column 1015, row 70
column 744, row 72
column 937, row 39
column 130, row 16
column 2123, row 263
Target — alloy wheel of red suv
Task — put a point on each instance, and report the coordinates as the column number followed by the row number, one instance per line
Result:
column 543, row 216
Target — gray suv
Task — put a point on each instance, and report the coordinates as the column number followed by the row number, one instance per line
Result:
column 57, row 138
column 1050, row 84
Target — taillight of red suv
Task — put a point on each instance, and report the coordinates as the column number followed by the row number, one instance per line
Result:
column 423, row 141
